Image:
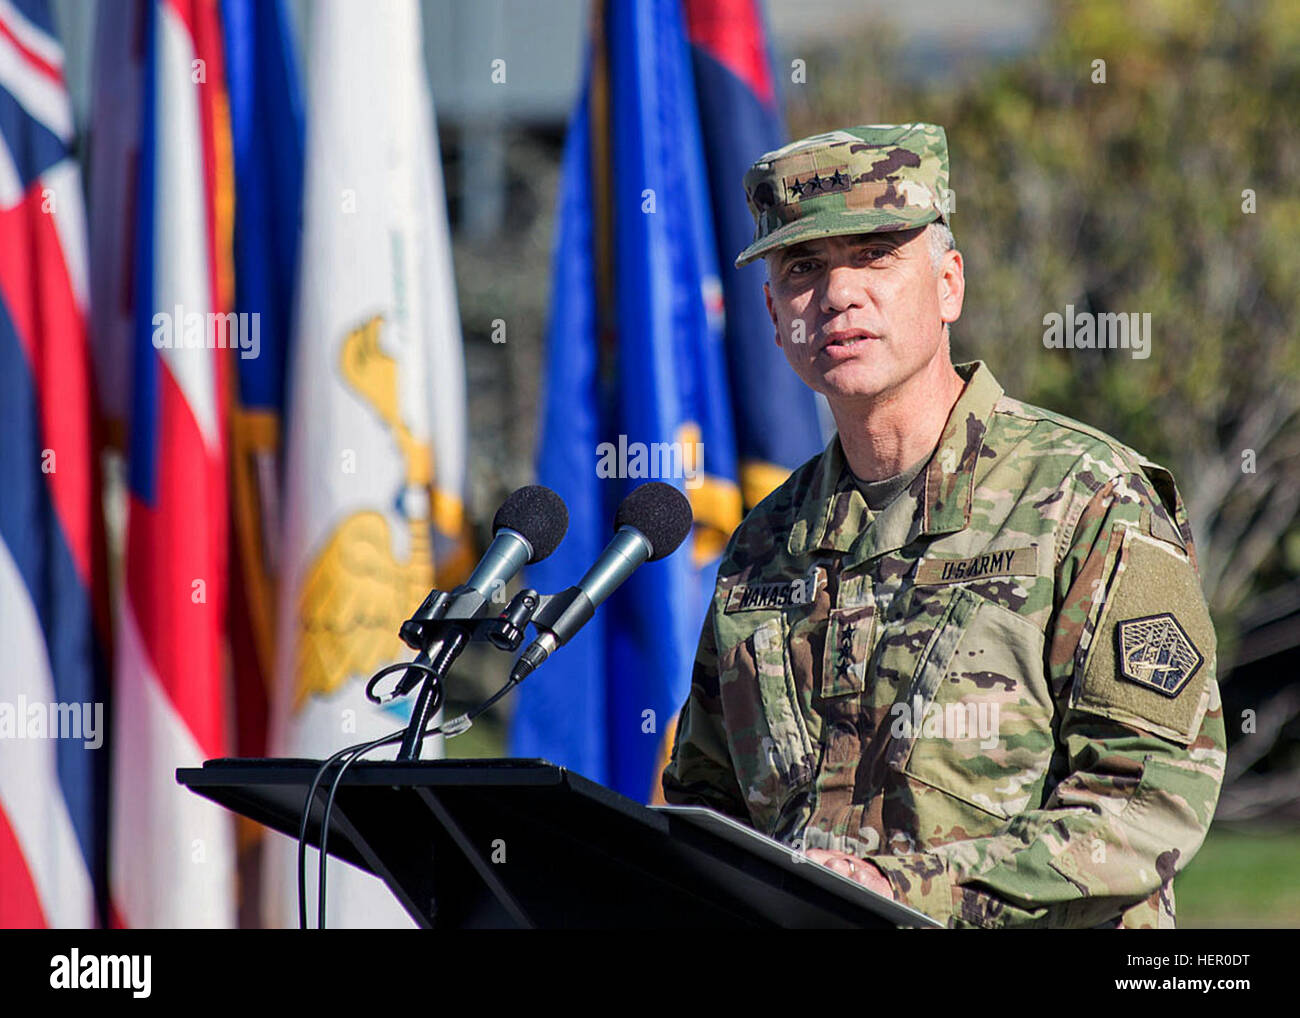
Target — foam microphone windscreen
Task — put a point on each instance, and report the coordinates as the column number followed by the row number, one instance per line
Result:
column 660, row 512
column 539, row 514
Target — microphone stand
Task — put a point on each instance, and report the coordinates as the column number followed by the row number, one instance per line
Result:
column 430, row 696
column 440, row 639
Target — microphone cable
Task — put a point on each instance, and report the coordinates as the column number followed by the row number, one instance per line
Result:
column 449, row 729
column 306, row 815
column 356, row 751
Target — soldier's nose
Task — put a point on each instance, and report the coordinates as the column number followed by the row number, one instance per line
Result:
column 843, row 290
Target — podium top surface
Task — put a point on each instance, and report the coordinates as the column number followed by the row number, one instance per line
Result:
column 228, row 773
column 556, row 804
column 289, row 771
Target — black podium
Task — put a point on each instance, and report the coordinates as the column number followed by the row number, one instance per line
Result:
column 525, row 844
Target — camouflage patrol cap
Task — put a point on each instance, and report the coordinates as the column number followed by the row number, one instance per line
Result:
column 865, row 179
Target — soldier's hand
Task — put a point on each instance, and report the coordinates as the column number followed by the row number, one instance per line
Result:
column 859, row 870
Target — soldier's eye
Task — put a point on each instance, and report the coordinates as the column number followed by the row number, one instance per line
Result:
column 802, row 267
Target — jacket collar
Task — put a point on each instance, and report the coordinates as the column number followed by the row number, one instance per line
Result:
column 833, row 515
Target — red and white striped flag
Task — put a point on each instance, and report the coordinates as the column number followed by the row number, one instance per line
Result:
column 171, row 853
column 51, row 702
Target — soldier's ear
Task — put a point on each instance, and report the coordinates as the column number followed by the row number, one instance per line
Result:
column 951, row 283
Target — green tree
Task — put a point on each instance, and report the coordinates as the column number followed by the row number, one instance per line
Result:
column 1127, row 196
column 1133, row 194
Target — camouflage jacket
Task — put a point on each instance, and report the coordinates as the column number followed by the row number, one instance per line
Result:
column 1000, row 688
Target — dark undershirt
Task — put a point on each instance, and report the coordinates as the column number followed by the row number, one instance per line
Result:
column 879, row 494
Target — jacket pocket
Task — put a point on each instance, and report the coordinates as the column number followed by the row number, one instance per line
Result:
column 979, row 716
column 770, row 745
column 932, row 647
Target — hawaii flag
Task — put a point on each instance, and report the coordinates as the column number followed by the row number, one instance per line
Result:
column 375, row 459
column 52, row 738
column 172, row 851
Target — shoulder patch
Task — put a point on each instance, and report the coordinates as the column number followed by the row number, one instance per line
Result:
column 1151, row 652
column 1156, row 652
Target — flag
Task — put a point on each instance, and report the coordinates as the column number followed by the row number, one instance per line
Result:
column 114, row 170
column 52, row 703
column 775, row 414
column 375, row 441
column 636, row 388
column 266, row 127
column 171, row 853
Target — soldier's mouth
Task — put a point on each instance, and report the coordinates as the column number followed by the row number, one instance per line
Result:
column 846, row 339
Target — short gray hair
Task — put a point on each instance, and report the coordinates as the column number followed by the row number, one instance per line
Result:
column 941, row 240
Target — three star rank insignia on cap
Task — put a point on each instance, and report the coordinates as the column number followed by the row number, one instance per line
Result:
column 1156, row 652
column 817, row 184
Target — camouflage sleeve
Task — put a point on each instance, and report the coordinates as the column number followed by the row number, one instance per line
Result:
column 1131, row 661
column 700, row 772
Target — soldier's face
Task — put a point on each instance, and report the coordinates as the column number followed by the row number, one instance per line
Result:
column 858, row 316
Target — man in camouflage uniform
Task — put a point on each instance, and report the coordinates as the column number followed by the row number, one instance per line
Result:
column 962, row 656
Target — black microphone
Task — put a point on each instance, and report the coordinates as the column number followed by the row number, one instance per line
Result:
column 650, row 523
column 529, row 526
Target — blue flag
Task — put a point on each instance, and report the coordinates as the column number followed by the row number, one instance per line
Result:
column 266, row 130
column 775, row 414
column 636, row 389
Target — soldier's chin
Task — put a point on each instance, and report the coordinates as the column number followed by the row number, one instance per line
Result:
column 853, row 380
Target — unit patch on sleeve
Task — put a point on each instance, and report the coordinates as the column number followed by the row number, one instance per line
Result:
column 1156, row 652
column 1153, row 646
